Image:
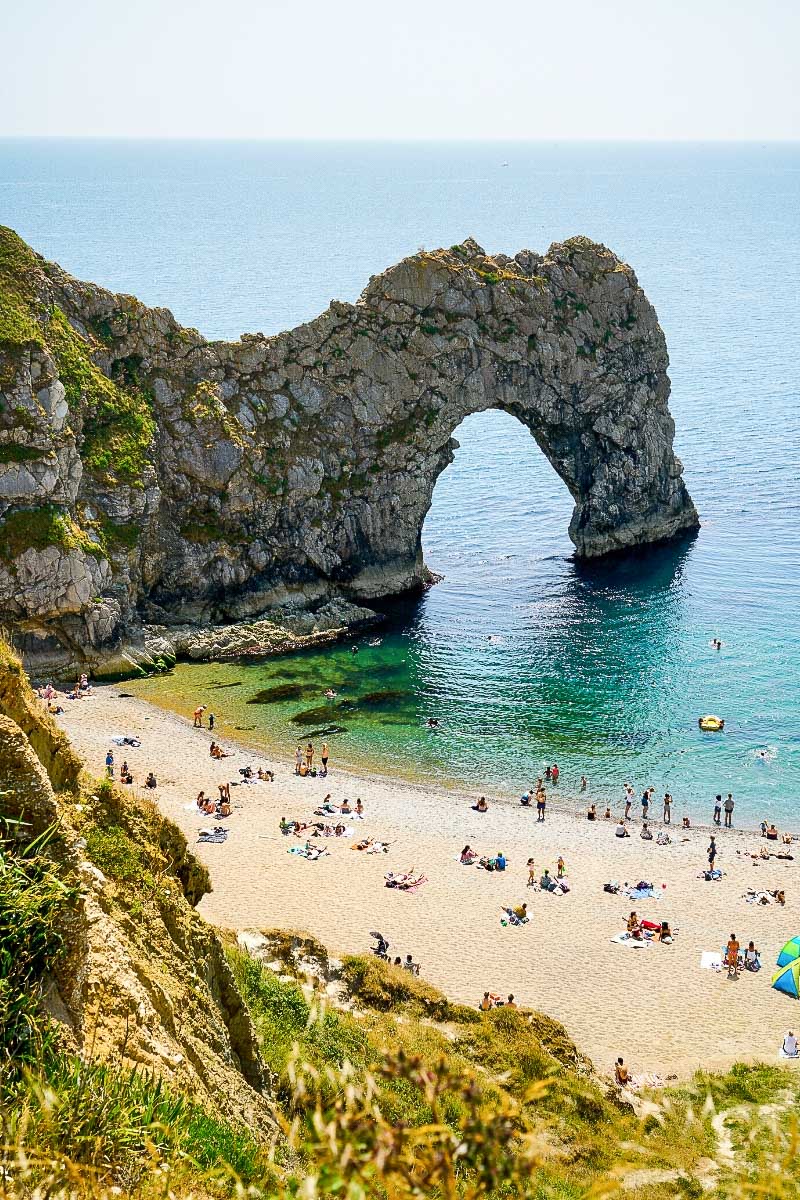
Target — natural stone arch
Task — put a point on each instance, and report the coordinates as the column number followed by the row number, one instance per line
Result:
column 197, row 481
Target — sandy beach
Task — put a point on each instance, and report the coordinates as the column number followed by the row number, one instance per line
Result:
column 656, row 1006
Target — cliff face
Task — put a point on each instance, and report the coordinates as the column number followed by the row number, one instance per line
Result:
column 149, row 477
column 144, row 981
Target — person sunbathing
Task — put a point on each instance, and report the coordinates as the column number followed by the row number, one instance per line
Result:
column 359, row 808
column 486, row 1004
column 521, row 912
column 201, row 800
column 224, row 808
column 468, row 856
column 339, row 830
column 364, row 844
column 621, row 1076
column 664, row 934
column 752, row 961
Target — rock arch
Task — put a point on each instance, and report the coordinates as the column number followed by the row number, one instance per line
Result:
column 165, row 478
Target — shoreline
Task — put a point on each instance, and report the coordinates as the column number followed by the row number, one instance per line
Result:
column 262, row 746
column 656, row 1006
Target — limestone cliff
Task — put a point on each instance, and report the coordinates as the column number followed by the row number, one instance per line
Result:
column 149, row 477
column 145, row 981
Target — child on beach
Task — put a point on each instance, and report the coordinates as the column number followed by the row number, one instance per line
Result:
column 531, row 873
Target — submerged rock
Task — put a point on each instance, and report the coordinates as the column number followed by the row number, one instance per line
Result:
column 149, row 478
column 283, row 691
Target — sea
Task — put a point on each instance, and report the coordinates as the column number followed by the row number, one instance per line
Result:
column 525, row 656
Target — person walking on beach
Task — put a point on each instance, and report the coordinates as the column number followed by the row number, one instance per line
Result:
column 712, row 853
column 667, row 808
column 110, row 765
column 198, row 716
column 729, row 811
column 541, row 800
column 531, row 873
column 717, row 809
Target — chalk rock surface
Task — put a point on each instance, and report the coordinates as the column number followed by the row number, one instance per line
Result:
column 151, row 477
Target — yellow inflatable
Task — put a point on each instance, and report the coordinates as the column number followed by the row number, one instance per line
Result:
column 712, row 724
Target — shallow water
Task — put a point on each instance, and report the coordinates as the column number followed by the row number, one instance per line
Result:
column 524, row 656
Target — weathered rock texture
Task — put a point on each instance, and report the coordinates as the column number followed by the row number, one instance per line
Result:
column 148, row 476
column 144, row 980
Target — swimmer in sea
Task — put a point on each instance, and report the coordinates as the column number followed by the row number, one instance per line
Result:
column 330, row 694
column 432, row 722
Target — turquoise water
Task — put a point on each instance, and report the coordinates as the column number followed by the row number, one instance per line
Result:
column 523, row 655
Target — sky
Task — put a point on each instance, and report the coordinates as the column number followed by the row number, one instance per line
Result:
column 420, row 69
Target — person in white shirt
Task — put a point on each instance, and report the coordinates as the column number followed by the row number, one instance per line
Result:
column 790, row 1045
column 621, row 831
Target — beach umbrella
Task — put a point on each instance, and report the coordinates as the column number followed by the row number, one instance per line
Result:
column 790, row 952
column 787, row 979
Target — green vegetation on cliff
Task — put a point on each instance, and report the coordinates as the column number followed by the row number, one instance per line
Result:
column 118, row 425
column 18, row 325
column 38, row 528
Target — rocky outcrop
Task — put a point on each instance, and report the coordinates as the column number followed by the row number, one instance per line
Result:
column 148, row 476
column 143, row 981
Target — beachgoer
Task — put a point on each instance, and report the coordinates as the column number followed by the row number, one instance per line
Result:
column 398, row 962
column 110, row 765
column 622, row 829
column 560, row 867
column 665, row 933
column 751, row 958
column 359, row 808
column 686, row 822
column 548, row 772
column 150, row 781
column 646, row 833
column 732, row 955
column 771, row 834
column 309, row 755
column 712, row 853
column 510, row 1003
column 481, row 806
column 500, row 862
column 354, row 649
column 667, row 817
column 645, row 803
column 486, row 1003
column 198, row 715
column 584, row 783
column 531, row 872
column 468, row 855
column 541, row 802
column 525, row 799
column 554, row 773
column 324, row 757
column 729, row 811
column 592, row 813
column 717, row 809
column 298, row 759
column 789, row 1046
column 201, row 800
column 621, row 1077
column 633, row 922
column 411, row 966
column 607, row 813
column 628, row 797
column 520, row 912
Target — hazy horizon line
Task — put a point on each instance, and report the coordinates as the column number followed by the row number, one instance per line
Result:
column 534, row 141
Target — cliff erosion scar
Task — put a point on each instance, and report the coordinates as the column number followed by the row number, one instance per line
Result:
column 153, row 480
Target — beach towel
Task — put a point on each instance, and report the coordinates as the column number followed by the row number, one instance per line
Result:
column 126, row 740
column 212, row 835
column 639, row 893
column 711, row 960
column 625, row 939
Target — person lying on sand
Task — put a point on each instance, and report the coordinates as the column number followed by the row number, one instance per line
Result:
column 266, row 776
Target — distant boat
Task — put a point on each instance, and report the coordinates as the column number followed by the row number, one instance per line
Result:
column 503, row 164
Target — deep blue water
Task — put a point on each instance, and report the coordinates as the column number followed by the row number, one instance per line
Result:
column 605, row 669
